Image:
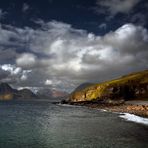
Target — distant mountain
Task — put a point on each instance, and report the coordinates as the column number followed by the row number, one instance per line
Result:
column 8, row 93
column 46, row 93
column 127, row 87
column 25, row 94
column 5, row 88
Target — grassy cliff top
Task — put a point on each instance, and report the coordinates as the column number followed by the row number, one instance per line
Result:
column 138, row 77
column 95, row 91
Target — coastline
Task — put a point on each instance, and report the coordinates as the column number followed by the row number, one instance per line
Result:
column 136, row 109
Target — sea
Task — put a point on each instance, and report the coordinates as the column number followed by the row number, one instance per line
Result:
column 44, row 124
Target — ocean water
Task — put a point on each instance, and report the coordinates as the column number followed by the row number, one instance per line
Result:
column 41, row 124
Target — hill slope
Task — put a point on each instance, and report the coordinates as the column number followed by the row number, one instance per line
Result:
column 127, row 87
column 46, row 93
column 8, row 93
column 83, row 86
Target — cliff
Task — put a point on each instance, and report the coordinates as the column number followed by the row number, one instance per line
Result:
column 127, row 87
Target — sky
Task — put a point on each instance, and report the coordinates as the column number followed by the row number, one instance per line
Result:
column 63, row 43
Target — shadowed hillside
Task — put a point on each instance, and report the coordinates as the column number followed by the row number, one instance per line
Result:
column 127, row 87
column 8, row 93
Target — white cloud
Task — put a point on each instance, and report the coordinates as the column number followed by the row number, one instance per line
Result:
column 48, row 82
column 103, row 26
column 12, row 69
column 62, row 56
column 14, row 74
column 26, row 60
column 24, row 76
column 117, row 6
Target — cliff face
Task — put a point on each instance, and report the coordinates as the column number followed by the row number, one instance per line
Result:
column 128, row 87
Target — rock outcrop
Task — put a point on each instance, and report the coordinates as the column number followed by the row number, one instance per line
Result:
column 128, row 87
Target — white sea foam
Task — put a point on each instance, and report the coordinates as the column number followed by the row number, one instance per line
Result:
column 102, row 110
column 134, row 118
column 68, row 105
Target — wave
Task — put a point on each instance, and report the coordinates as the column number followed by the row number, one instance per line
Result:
column 102, row 110
column 68, row 105
column 134, row 118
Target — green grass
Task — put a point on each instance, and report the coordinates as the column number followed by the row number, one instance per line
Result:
column 97, row 90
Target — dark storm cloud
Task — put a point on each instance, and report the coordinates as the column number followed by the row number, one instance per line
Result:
column 114, row 7
column 139, row 19
column 122, row 11
column 2, row 14
column 3, row 74
column 52, row 53
column 74, row 56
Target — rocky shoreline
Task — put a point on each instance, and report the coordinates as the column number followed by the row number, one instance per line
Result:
column 139, row 110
